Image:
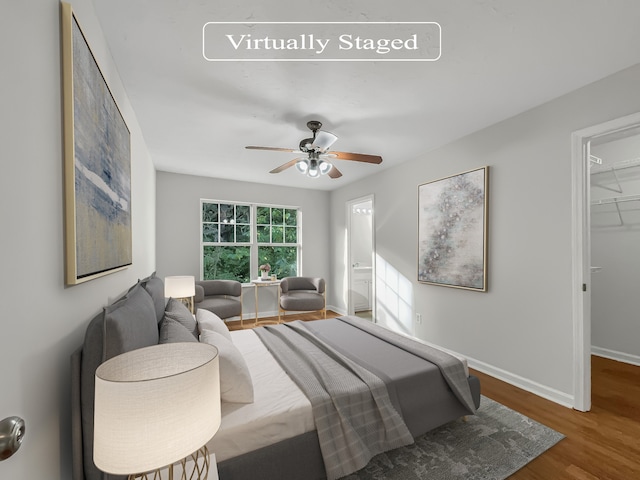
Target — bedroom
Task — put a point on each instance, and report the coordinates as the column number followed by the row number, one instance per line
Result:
column 524, row 329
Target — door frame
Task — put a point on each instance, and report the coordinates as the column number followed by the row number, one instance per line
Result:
column 581, row 251
column 349, row 212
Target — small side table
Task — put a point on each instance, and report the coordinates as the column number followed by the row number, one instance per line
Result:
column 265, row 283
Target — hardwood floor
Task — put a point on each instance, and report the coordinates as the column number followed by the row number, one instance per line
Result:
column 602, row 444
column 249, row 323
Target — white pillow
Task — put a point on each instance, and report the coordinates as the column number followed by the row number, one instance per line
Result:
column 208, row 320
column 235, row 380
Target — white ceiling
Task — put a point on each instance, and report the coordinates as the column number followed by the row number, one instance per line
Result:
column 499, row 58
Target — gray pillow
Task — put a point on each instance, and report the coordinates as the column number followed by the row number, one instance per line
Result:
column 155, row 287
column 129, row 324
column 177, row 311
column 172, row 331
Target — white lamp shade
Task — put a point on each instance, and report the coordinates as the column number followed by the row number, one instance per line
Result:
column 324, row 140
column 324, row 167
column 155, row 406
column 180, row 286
column 302, row 165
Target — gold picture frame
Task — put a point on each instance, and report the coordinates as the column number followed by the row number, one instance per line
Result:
column 97, row 164
column 452, row 230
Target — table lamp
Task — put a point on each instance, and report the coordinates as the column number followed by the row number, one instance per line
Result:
column 156, row 406
column 181, row 287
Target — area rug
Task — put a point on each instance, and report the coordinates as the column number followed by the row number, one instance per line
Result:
column 490, row 445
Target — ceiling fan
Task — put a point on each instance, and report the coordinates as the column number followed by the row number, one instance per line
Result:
column 318, row 159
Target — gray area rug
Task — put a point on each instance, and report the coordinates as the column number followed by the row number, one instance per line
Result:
column 490, row 445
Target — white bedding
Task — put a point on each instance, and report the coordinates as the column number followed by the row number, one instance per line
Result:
column 280, row 410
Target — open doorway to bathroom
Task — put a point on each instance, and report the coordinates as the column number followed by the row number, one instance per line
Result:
column 361, row 255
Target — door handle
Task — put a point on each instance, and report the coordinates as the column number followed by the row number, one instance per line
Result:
column 11, row 434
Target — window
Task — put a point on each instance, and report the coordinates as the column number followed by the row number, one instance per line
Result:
column 237, row 238
column 277, row 238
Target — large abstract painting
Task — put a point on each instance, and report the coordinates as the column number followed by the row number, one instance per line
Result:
column 452, row 230
column 97, row 165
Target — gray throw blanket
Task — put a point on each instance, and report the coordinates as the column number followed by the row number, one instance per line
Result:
column 451, row 367
column 353, row 414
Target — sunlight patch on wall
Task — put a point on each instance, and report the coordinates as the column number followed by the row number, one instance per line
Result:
column 394, row 298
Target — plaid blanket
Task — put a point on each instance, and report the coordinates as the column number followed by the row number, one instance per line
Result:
column 354, row 416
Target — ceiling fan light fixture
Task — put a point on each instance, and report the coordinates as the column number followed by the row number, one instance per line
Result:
column 314, row 171
column 318, row 160
column 302, row 165
column 323, row 140
column 324, row 167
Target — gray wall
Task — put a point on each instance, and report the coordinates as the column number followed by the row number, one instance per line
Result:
column 43, row 321
column 178, row 226
column 521, row 329
column 615, row 294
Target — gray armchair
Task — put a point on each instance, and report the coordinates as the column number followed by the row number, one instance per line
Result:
column 222, row 297
column 302, row 294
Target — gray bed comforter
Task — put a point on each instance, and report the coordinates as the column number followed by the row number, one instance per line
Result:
column 451, row 367
column 354, row 416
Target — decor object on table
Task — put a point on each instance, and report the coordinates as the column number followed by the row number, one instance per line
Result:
column 181, row 287
column 222, row 297
column 156, row 406
column 302, row 294
column 97, row 165
column 317, row 161
column 452, row 230
column 264, row 271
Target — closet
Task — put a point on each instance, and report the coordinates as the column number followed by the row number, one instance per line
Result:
column 615, row 247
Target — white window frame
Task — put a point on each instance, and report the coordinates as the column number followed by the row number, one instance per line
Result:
column 253, row 243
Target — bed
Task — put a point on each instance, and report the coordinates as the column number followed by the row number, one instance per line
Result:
column 276, row 434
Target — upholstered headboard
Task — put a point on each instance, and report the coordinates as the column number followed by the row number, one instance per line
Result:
column 131, row 322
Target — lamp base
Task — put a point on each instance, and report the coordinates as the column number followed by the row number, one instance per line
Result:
column 201, row 462
column 187, row 302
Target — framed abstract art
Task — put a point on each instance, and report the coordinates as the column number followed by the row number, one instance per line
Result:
column 97, row 164
column 452, row 230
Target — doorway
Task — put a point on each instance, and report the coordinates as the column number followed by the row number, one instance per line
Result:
column 360, row 257
column 581, row 247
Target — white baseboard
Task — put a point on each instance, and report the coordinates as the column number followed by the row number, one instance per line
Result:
column 339, row 311
column 261, row 314
column 536, row 388
column 543, row 391
column 252, row 316
column 614, row 355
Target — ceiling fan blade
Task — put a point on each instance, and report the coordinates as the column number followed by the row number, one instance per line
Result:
column 334, row 172
column 358, row 157
column 284, row 166
column 275, row 149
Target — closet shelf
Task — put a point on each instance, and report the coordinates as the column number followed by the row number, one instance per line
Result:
column 612, row 167
column 620, row 199
column 616, row 201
